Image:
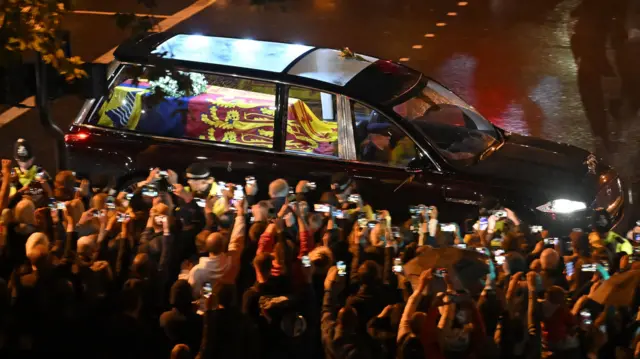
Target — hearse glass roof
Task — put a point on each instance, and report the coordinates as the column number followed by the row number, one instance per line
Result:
column 328, row 65
column 245, row 53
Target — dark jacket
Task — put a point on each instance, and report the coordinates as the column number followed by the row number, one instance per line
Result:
column 228, row 334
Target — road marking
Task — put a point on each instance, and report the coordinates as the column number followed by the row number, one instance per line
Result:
column 430, row 35
column 111, row 13
column 171, row 21
column 452, row 13
column 404, row 59
column 416, row 47
column 463, row 3
column 441, row 24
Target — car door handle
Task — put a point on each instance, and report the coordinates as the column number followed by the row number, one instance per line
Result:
column 362, row 177
column 462, row 196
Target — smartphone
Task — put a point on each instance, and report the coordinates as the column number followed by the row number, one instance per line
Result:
column 578, row 230
column 306, row 261
column 440, row 272
column 500, row 214
column 354, row 198
column 605, row 265
column 371, row 224
column 636, row 237
column 397, row 265
column 61, row 206
column 570, row 268
column 500, row 260
column 338, row 213
column 362, row 222
column 342, row 268
column 163, row 173
column 585, row 316
column 448, row 227
column 395, row 232
column 498, row 252
column 379, row 216
column 480, row 250
column 221, row 187
column 250, row 180
column 483, row 223
column 98, row 214
column 321, row 208
column 162, row 219
column 535, row 229
column 589, row 267
column 551, row 241
column 201, row 202
column 111, row 203
column 311, row 186
column 238, row 194
column 638, row 223
column 206, row 290
column 461, row 245
column 128, row 196
column 149, row 191
column 123, row 217
column 292, row 203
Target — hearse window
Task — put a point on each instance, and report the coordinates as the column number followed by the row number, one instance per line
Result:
column 222, row 109
column 312, row 123
column 378, row 140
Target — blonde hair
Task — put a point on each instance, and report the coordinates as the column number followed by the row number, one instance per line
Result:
column 34, row 240
column 25, row 212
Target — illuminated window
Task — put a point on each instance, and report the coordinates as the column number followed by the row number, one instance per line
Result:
column 312, row 125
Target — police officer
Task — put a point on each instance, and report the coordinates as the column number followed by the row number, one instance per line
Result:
column 201, row 192
column 26, row 174
column 378, row 146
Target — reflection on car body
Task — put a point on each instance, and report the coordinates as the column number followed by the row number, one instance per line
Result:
column 273, row 110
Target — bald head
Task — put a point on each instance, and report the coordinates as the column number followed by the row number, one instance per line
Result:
column 215, row 243
column 38, row 255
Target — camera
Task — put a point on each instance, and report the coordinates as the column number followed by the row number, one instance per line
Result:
column 551, row 241
column 362, row 222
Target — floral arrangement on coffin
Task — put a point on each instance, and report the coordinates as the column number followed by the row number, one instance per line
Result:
column 346, row 53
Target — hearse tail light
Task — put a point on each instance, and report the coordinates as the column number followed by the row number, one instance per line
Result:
column 562, row 206
column 76, row 137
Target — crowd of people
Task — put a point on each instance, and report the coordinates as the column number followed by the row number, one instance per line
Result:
column 199, row 268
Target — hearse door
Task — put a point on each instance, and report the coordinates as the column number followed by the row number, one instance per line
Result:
column 383, row 152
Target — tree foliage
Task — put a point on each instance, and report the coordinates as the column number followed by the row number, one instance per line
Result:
column 35, row 26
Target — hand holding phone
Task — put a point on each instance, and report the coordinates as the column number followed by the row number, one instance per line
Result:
column 440, row 272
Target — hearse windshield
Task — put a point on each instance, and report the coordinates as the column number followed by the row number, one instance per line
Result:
column 459, row 132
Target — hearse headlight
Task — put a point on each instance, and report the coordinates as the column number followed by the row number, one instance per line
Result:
column 562, row 206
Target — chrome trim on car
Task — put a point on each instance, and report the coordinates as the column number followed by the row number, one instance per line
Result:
column 346, row 138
